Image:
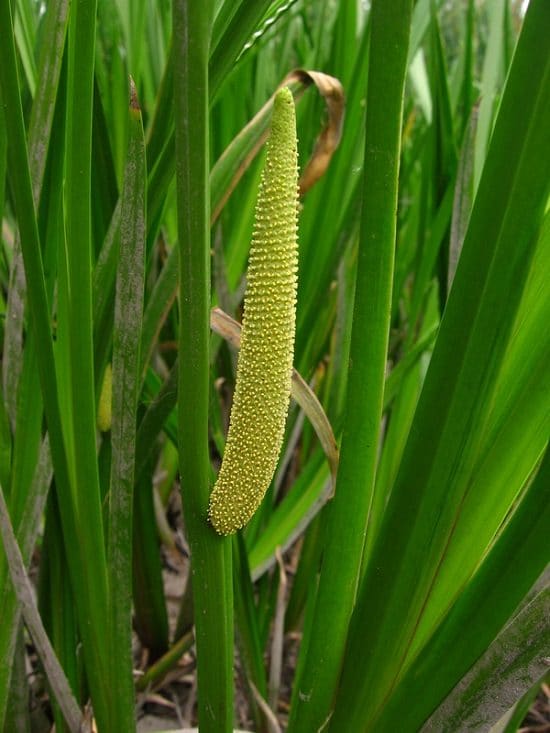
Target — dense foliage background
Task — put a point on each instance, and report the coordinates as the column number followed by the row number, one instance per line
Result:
column 407, row 591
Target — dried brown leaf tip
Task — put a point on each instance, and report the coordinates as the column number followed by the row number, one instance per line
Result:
column 264, row 367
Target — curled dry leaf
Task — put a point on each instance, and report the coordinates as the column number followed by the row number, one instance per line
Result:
column 329, row 138
column 233, row 163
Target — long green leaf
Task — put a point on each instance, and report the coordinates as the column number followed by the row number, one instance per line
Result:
column 390, row 26
column 510, row 666
column 506, row 575
column 126, row 382
column 233, row 38
column 20, row 182
column 82, row 32
column 454, row 409
column 27, row 422
column 49, row 69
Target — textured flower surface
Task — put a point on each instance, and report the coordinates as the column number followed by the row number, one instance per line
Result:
column 264, row 367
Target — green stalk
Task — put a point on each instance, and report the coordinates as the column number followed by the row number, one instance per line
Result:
column 349, row 513
column 210, row 554
column 79, row 260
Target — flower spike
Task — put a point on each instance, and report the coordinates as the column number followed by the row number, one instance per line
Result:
column 264, row 368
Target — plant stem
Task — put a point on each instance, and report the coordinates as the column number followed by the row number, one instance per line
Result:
column 210, row 554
